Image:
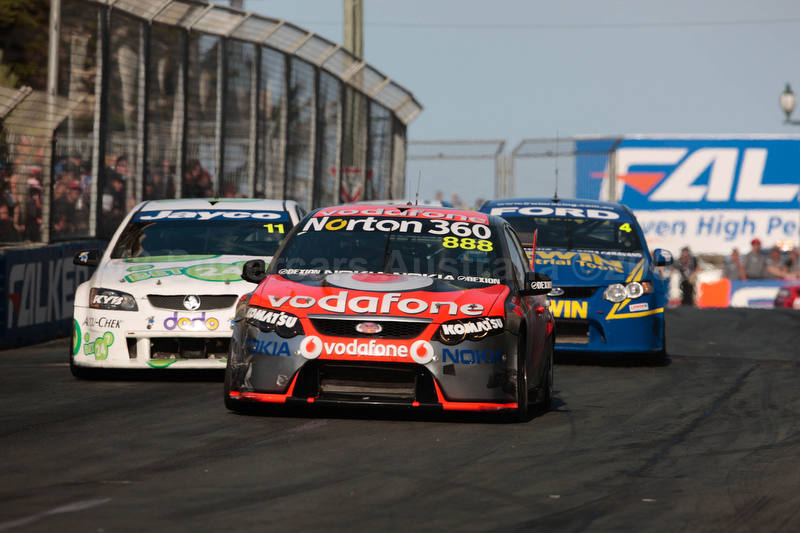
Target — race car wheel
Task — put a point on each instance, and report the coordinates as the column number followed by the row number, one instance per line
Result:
column 232, row 405
column 521, row 414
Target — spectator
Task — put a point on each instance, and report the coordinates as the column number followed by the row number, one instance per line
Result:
column 687, row 269
column 793, row 268
column 734, row 269
column 755, row 264
column 197, row 181
column 775, row 266
column 33, row 211
column 8, row 233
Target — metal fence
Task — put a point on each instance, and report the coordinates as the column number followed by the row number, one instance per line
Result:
column 181, row 98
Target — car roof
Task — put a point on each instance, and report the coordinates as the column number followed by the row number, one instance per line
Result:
column 550, row 202
column 219, row 204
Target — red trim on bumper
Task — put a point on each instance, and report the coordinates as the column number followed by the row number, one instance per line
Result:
column 264, row 396
column 470, row 406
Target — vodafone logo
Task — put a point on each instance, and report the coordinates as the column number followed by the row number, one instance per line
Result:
column 422, row 352
column 311, row 347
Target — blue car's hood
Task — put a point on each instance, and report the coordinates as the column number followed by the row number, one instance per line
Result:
column 581, row 268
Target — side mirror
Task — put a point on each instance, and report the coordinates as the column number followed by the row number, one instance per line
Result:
column 536, row 284
column 89, row 258
column 254, row 271
column 662, row 257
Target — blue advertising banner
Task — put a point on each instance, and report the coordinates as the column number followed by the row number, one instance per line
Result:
column 38, row 288
column 713, row 193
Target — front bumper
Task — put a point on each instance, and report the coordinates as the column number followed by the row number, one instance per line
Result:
column 151, row 338
column 597, row 325
column 471, row 376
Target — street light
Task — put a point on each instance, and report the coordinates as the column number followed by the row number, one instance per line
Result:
column 788, row 101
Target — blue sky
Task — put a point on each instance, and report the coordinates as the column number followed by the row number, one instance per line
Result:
column 515, row 69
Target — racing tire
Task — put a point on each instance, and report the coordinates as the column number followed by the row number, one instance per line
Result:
column 660, row 358
column 81, row 372
column 522, row 414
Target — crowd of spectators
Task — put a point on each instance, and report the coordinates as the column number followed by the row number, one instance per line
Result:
column 20, row 203
column 757, row 264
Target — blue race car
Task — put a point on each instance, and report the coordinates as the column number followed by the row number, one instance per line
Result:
column 608, row 295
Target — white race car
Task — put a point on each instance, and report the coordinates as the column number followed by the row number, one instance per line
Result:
column 165, row 290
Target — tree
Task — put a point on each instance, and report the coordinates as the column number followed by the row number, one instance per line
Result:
column 24, row 28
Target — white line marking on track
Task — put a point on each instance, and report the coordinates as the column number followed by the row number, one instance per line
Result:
column 68, row 508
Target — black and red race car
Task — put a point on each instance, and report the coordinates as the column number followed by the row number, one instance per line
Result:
column 403, row 306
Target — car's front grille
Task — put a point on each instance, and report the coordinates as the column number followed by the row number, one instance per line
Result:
column 390, row 329
column 572, row 331
column 207, row 301
column 188, row 348
column 574, row 293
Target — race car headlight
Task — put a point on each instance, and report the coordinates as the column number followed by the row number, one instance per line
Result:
column 111, row 299
column 617, row 292
column 269, row 320
column 456, row 331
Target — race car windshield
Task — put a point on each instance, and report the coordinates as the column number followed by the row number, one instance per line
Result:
column 199, row 237
column 460, row 252
column 577, row 233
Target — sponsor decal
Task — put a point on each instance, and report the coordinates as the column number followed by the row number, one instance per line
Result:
column 414, row 212
column 83, row 257
column 390, row 302
column 571, row 212
column 256, row 346
column 104, row 299
column 569, row 308
column 221, row 214
column 420, row 351
column 76, row 337
column 197, row 323
column 203, row 272
column 472, row 357
column 477, row 279
column 42, row 291
column 446, row 277
column 101, row 322
column 593, row 261
column 436, row 227
column 150, row 321
column 98, row 347
column 541, row 285
column 276, row 318
column 472, row 326
column 311, row 347
column 644, row 306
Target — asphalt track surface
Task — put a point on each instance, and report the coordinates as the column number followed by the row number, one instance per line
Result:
column 708, row 442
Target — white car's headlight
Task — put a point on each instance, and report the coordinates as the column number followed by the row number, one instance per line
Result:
column 617, row 292
column 111, row 299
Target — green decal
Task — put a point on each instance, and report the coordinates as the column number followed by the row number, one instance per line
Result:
column 99, row 347
column 163, row 258
column 162, row 363
column 216, row 271
column 76, row 337
column 204, row 272
column 136, row 268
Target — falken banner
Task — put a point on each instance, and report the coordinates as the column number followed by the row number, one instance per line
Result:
column 712, row 193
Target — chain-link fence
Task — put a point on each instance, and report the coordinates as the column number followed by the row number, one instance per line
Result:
column 545, row 167
column 181, row 98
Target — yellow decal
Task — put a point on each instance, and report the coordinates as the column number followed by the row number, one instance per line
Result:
column 467, row 243
column 584, row 259
column 569, row 308
column 635, row 275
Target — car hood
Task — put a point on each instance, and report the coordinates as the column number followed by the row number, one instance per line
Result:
column 379, row 295
column 208, row 274
column 571, row 268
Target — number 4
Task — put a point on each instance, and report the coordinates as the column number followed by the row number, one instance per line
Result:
column 626, row 227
